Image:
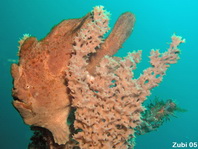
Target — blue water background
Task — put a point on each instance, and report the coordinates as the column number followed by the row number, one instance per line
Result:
column 156, row 21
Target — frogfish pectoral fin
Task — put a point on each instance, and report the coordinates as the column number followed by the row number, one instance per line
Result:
column 60, row 133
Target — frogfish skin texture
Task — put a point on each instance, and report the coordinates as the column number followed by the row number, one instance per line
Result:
column 40, row 90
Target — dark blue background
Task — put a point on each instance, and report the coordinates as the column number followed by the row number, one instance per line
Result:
column 156, row 21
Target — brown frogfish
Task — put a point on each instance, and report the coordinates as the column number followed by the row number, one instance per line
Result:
column 40, row 90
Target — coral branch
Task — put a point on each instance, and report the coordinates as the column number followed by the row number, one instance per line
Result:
column 109, row 102
column 160, row 62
